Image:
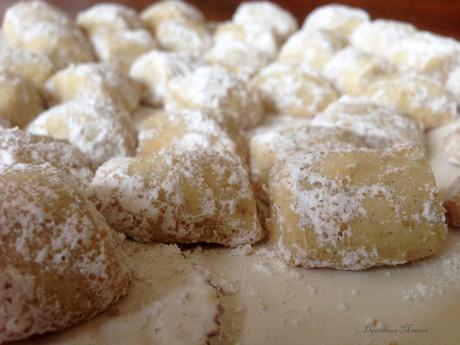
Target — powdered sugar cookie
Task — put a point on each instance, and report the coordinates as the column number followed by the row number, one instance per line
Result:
column 269, row 14
column 356, row 209
column 215, row 91
column 291, row 89
column 452, row 146
column 98, row 128
column 189, row 129
column 352, row 71
column 418, row 96
column 109, row 17
column 185, row 36
column 313, row 48
column 39, row 27
column 117, row 33
column 93, row 80
column 52, row 235
column 340, row 19
column 378, row 36
column 255, row 34
column 167, row 10
column 155, row 69
column 121, row 48
column 27, row 12
column 241, row 59
column 425, row 53
column 18, row 147
column 20, row 101
column 177, row 26
column 378, row 125
column 271, row 144
column 36, row 68
column 179, row 196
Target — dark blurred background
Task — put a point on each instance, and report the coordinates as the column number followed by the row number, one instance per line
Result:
column 440, row 16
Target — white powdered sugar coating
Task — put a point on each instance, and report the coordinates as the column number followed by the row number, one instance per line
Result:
column 186, row 128
column 50, row 231
column 329, row 209
column 170, row 10
column 378, row 36
column 186, row 36
column 313, row 48
column 42, row 28
column 438, row 281
column 109, row 16
column 329, row 204
column 416, row 95
column 239, row 58
column 453, row 83
column 292, row 89
column 18, row 147
column 121, row 48
column 255, row 34
column 156, row 68
column 214, row 90
column 275, row 142
column 269, row 14
column 98, row 128
column 31, row 66
column 340, row 19
column 93, row 80
column 378, row 125
column 426, row 53
column 351, row 70
column 26, row 13
column 150, row 200
column 452, row 147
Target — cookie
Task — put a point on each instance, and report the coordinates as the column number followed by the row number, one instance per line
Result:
column 52, row 235
column 355, row 209
column 179, row 196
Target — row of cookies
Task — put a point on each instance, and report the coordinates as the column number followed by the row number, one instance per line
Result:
column 211, row 99
column 350, row 70
column 190, row 181
column 51, row 122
